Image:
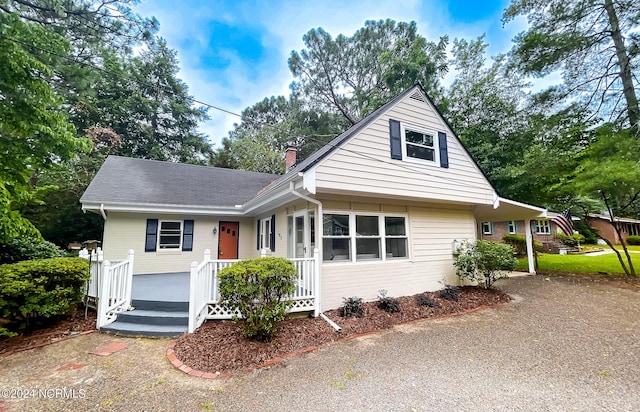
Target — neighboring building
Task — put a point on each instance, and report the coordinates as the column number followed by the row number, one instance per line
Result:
column 384, row 203
column 602, row 223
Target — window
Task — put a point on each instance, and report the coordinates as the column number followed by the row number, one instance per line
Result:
column 395, row 237
column 487, row 228
column 265, row 233
column 375, row 237
column 542, row 227
column 512, row 228
column 420, row 144
column 170, row 235
column 336, row 243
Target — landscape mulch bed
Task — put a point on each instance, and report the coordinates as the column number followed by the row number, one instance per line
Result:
column 218, row 346
column 47, row 334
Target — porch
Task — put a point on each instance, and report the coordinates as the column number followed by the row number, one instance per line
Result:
column 170, row 304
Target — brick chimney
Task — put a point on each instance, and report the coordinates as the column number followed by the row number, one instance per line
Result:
column 290, row 157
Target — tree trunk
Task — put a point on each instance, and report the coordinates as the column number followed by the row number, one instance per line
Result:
column 630, row 271
column 633, row 112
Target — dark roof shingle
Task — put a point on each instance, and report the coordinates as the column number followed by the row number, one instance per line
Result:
column 140, row 181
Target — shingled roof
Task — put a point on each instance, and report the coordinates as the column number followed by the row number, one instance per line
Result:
column 139, row 181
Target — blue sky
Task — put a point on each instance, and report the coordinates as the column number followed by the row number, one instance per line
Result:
column 234, row 53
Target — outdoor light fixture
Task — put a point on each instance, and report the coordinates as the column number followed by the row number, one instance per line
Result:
column 456, row 247
column 215, row 230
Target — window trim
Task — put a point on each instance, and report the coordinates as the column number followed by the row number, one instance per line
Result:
column 382, row 236
column 159, row 235
column 514, row 227
column 489, row 231
column 404, row 127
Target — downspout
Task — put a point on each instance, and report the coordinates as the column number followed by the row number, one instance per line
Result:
column 292, row 190
column 104, row 215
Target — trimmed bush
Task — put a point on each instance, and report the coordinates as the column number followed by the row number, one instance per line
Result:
column 485, row 262
column 571, row 241
column 519, row 244
column 389, row 305
column 633, row 240
column 28, row 248
column 36, row 290
column 259, row 290
column 351, row 307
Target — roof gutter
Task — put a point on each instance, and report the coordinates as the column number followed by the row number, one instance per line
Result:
column 292, row 190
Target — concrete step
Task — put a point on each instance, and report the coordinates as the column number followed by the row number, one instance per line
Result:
column 135, row 329
column 159, row 305
column 155, row 317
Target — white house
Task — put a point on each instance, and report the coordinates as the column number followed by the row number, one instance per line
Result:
column 383, row 203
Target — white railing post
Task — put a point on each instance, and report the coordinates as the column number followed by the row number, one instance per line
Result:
column 129, row 281
column 263, row 253
column 316, row 281
column 207, row 255
column 103, row 296
column 100, row 254
column 83, row 253
column 193, row 300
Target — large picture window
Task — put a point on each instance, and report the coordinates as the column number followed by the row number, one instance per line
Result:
column 170, row 235
column 376, row 237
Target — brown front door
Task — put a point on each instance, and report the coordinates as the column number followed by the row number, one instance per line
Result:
column 228, row 240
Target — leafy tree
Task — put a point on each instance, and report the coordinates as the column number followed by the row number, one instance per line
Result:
column 34, row 131
column 609, row 170
column 585, row 39
column 259, row 141
column 485, row 262
column 353, row 76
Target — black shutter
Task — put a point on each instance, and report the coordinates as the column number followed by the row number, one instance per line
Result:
column 395, row 139
column 187, row 236
column 152, row 234
column 273, row 233
column 258, row 236
column 442, row 143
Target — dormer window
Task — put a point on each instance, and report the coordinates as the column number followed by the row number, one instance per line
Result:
column 417, row 144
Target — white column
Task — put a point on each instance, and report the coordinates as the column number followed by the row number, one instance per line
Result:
column 317, row 284
column 103, row 294
column 193, row 293
column 529, row 241
column 129, row 281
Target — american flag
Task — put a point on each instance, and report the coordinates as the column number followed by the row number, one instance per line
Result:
column 564, row 222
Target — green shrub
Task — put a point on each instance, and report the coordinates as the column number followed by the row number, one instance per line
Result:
column 485, row 262
column 519, row 244
column 589, row 233
column 36, row 290
column 633, row 240
column 574, row 240
column 259, row 290
column 28, row 248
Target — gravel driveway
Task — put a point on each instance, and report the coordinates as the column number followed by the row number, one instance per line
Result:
column 562, row 345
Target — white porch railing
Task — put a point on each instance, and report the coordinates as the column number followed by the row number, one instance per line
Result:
column 204, row 294
column 109, row 288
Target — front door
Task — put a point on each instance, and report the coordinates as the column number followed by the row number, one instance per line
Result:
column 228, row 240
column 302, row 234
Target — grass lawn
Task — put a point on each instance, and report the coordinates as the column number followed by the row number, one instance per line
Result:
column 581, row 263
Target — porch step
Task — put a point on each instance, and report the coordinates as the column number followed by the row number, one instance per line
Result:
column 136, row 329
column 152, row 318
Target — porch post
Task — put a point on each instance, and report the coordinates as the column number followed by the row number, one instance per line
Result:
column 193, row 303
column 316, row 282
column 529, row 241
column 104, row 296
column 129, row 283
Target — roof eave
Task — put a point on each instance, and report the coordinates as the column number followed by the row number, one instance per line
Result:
column 163, row 208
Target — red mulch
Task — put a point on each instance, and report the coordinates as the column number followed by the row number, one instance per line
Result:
column 46, row 334
column 218, row 346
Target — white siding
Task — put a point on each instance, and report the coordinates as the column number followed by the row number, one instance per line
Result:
column 432, row 229
column 363, row 164
column 124, row 231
